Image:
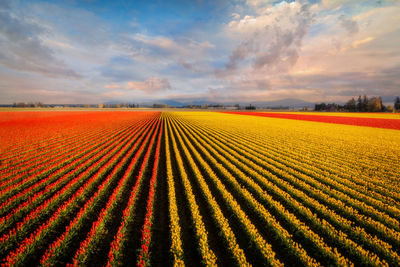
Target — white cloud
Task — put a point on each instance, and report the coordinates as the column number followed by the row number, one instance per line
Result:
column 112, row 86
column 366, row 40
column 22, row 48
column 235, row 16
column 270, row 44
column 149, row 86
column 113, row 94
column 264, row 50
column 184, row 51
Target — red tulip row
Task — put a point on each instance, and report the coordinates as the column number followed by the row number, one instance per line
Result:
column 35, row 131
column 68, row 183
column 40, row 180
column 63, row 197
column 144, row 258
column 37, row 159
column 74, row 229
column 246, row 197
column 57, row 144
column 31, row 163
column 370, row 122
column 120, row 241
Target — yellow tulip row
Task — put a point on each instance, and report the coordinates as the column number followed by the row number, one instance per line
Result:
column 377, row 200
column 306, row 232
column 321, row 158
column 217, row 214
column 377, row 115
column 383, row 218
column 391, row 234
column 329, row 177
column 323, row 153
column 208, row 256
column 341, row 174
column 342, row 217
column 340, row 237
column 257, row 207
column 175, row 229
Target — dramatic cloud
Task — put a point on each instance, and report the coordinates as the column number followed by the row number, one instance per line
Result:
column 350, row 25
column 184, row 51
column 21, row 47
column 277, row 39
column 114, row 94
column 269, row 43
column 216, row 51
column 112, row 86
column 152, row 85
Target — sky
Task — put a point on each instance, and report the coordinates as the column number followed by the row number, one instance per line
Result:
column 220, row 51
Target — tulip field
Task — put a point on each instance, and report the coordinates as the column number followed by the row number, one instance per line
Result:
column 199, row 188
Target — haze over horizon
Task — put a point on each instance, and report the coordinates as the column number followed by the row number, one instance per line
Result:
column 218, row 51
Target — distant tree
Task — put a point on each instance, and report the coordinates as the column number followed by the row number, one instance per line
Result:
column 38, row 105
column 364, row 103
column 250, row 107
column 374, row 104
column 332, row 107
column 397, row 103
column 320, row 107
column 383, row 108
column 160, row 105
column 359, row 104
column 350, row 105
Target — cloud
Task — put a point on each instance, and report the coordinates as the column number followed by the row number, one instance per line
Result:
column 357, row 43
column 275, row 36
column 270, row 44
column 253, row 50
column 80, row 25
column 149, row 86
column 183, row 51
column 350, row 25
column 21, row 47
column 235, row 16
column 113, row 94
column 258, row 5
column 112, row 86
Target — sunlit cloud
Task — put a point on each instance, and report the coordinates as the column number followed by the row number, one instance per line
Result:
column 149, row 86
column 113, row 94
column 357, row 43
column 246, row 51
column 112, row 86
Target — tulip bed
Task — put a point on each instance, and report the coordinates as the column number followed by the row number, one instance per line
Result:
column 148, row 188
column 388, row 122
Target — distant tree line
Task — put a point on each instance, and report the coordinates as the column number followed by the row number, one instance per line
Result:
column 362, row 104
column 212, row 106
column 120, row 105
column 41, row 105
column 28, row 105
column 250, row 107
